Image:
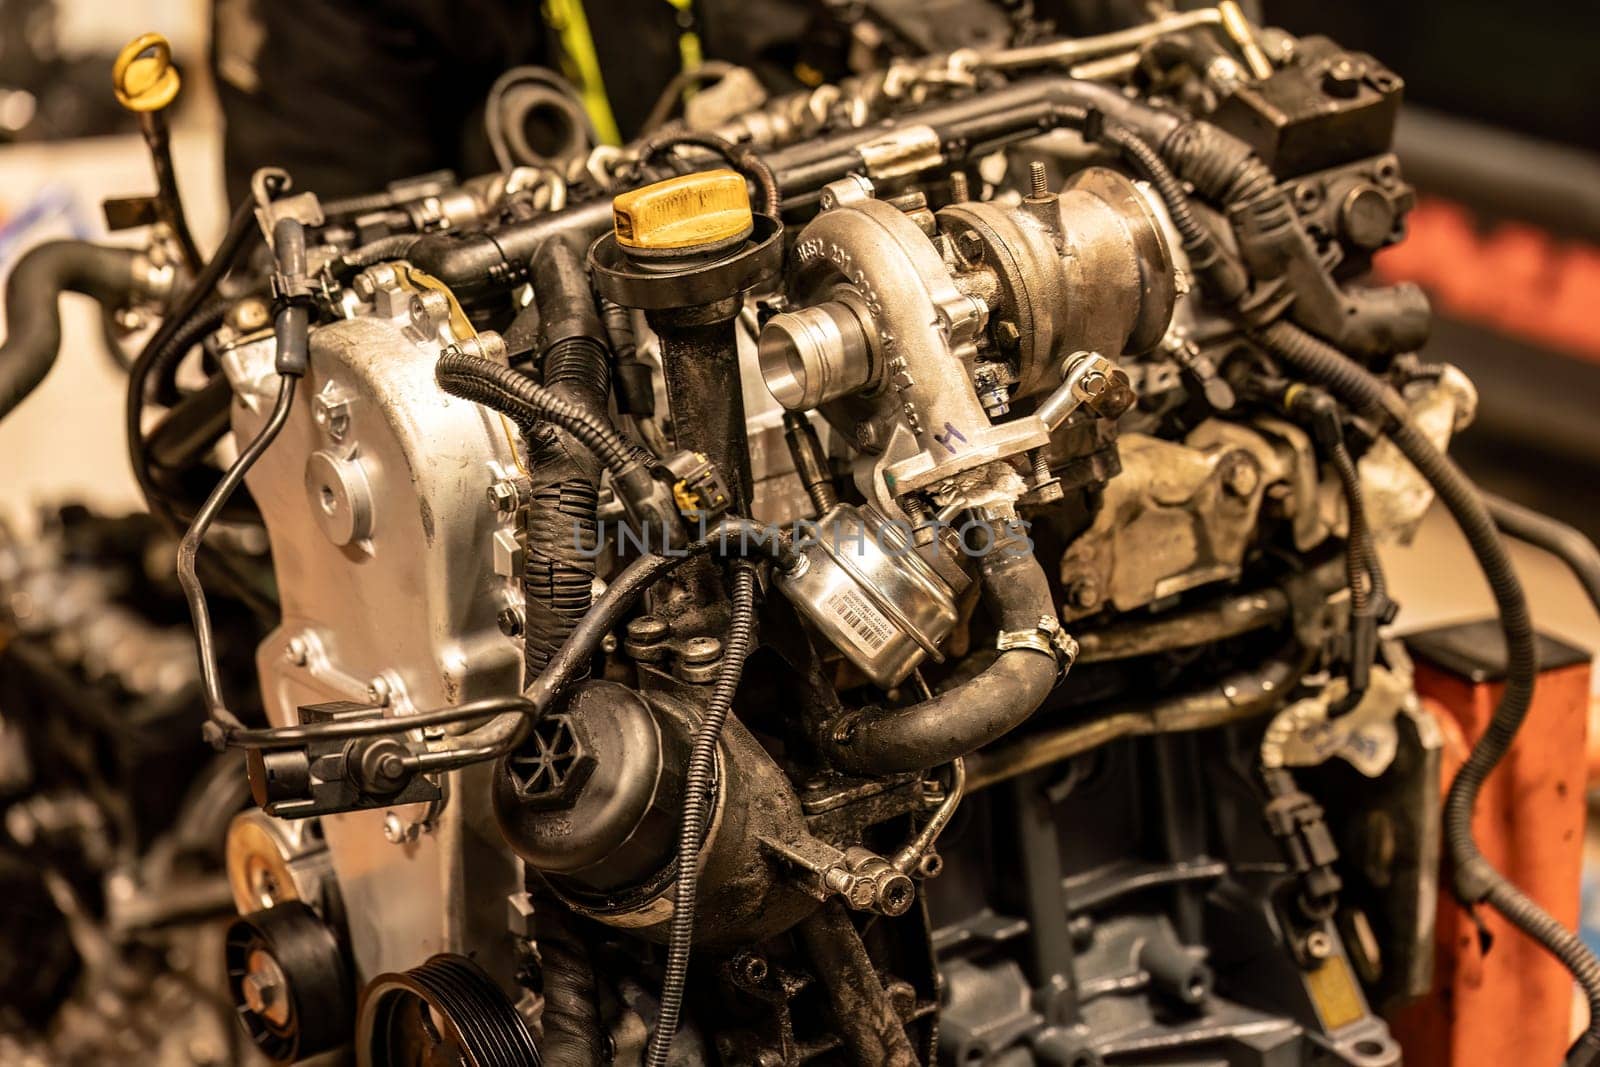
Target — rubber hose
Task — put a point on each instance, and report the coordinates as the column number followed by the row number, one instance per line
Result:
column 1557, row 538
column 33, row 331
column 572, row 1027
column 163, row 370
column 959, row 721
column 698, row 782
column 1475, row 878
column 383, row 250
column 241, row 229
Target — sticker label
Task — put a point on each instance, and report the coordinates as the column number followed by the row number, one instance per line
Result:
column 866, row 626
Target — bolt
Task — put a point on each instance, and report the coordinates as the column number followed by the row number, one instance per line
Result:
column 1342, row 78
column 1039, row 460
column 429, row 309
column 1038, row 181
column 902, row 997
column 1084, row 593
column 394, row 831
column 701, row 650
column 504, row 498
column 262, row 987
column 379, row 691
column 380, row 276
column 992, row 391
column 960, row 192
column 1318, row 945
column 1046, row 486
column 752, row 969
column 248, row 315
column 391, row 766
column 260, row 992
column 510, row 621
column 970, row 247
column 647, row 629
column 297, row 651
column 845, row 731
column 330, row 409
column 1006, row 335
column 895, row 894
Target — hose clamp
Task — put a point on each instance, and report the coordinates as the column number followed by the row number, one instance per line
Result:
column 1046, row 637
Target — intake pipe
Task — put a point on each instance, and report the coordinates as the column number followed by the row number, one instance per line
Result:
column 983, row 709
column 112, row 276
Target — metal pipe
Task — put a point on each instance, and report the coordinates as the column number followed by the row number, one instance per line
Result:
column 871, row 1030
column 1078, row 49
column 909, row 859
column 1242, row 695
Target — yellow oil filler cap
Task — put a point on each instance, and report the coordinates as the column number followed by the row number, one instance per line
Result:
column 143, row 76
column 708, row 207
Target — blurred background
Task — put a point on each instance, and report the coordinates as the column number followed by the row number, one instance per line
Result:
column 66, row 145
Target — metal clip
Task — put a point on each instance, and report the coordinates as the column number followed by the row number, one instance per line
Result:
column 1046, row 637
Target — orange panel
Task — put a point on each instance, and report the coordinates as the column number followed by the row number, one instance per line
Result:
column 1512, row 1005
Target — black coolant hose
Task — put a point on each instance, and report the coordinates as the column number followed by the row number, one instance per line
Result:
column 383, row 250
column 164, row 347
column 699, row 781
column 1476, row 880
column 573, row 1031
column 33, row 320
column 959, row 721
column 561, row 523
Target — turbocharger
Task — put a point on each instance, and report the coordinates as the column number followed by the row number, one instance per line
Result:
column 939, row 323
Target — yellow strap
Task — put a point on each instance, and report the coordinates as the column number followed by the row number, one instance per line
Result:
column 571, row 24
column 567, row 18
column 690, row 55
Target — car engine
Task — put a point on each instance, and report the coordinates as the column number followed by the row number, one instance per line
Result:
column 880, row 574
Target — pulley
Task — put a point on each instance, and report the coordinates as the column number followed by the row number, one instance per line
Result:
column 290, row 982
column 446, row 1013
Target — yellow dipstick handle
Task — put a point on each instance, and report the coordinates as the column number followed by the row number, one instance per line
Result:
column 143, row 76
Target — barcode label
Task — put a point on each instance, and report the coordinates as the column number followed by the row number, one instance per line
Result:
column 864, row 623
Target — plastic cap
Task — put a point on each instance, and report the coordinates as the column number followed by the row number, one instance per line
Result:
column 692, row 209
column 143, row 76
